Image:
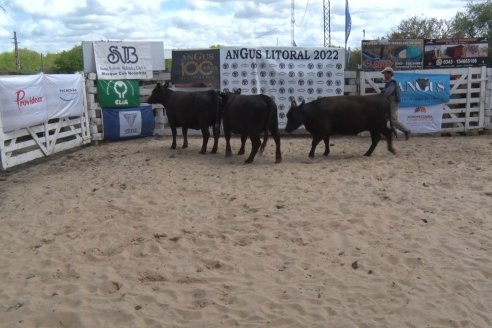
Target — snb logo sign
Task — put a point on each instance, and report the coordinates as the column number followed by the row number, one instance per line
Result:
column 123, row 54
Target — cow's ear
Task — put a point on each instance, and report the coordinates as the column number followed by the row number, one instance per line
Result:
column 158, row 85
column 293, row 104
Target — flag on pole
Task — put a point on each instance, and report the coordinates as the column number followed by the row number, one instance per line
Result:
column 348, row 22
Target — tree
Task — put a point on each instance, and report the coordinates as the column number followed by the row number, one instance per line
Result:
column 475, row 22
column 69, row 61
column 421, row 28
column 355, row 59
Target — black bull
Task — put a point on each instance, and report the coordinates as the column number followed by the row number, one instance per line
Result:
column 342, row 115
column 189, row 110
column 250, row 116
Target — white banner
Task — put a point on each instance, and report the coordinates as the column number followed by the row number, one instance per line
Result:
column 22, row 101
column 284, row 74
column 30, row 100
column 123, row 60
column 65, row 95
column 422, row 119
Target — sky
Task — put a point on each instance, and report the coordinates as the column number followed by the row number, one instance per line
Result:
column 50, row 26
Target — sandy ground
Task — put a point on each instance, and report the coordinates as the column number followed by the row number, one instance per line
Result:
column 134, row 234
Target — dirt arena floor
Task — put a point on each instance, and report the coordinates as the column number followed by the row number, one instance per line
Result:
column 134, row 234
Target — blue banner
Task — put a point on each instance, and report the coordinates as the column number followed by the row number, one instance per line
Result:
column 419, row 89
column 128, row 122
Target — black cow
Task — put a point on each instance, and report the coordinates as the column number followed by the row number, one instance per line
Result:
column 249, row 116
column 189, row 110
column 342, row 115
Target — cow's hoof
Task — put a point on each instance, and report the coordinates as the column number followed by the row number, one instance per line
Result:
column 241, row 152
column 173, row 147
column 202, row 152
column 214, row 151
column 248, row 161
column 278, row 160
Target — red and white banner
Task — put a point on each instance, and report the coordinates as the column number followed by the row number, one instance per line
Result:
column 22, row 101
column 285, row 74
column 30, row 100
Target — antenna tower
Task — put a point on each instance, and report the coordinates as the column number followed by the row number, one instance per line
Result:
column 326, row 19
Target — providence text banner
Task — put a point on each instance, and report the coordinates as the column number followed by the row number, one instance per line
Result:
column 22, row 101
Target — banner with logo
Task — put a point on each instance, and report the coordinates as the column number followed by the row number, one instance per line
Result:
column 118, row 93
column 399, row 54
column 424, row 98
column 123, row 60
column 284, row 74
column 418, row 89
column 196, row 68
column 444, row 53
column 128, row 122
column 65, row 95
column 22, row 101
column 422, row 119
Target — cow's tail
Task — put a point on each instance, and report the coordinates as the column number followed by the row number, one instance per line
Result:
column 272, row 109
column 218, row 111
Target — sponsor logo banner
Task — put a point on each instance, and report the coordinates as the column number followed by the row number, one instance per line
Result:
column 65, row 95
column 196, row 68
column 128, row 122
column 444, row 53
column 399, row 54
column 118, row 93
column 123, row 60
column 30, row 100
column 418, row 89
column 285, row 74
column 424, row 98
column 422, row 119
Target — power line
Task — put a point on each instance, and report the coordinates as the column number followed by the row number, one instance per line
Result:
column 305, row 10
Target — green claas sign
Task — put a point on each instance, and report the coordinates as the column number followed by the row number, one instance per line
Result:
column 118, row 93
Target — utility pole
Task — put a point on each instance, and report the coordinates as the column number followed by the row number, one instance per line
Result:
column 16, row 47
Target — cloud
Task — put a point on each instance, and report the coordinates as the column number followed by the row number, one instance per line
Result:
column 56, row 25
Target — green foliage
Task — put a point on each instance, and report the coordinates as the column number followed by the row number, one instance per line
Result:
column 32, row 62
column 475, row 21
column 421, row 28
column 355, row 59
column 69, row 61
